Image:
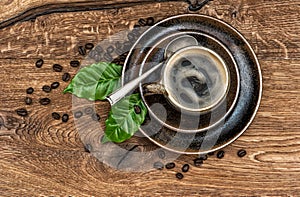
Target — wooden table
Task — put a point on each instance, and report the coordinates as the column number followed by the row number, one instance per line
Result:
column 40, row 156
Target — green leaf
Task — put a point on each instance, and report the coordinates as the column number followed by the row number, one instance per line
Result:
column 96, row 81
column 123, row 122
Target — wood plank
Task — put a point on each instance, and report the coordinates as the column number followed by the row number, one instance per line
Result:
column 42, row 156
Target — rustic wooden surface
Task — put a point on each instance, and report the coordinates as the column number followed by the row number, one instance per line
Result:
column 43, row 157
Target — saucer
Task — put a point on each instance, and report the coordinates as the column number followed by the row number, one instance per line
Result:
column 245, row 101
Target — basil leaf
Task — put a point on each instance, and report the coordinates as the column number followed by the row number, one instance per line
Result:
column 96, row 81
column 123, row 122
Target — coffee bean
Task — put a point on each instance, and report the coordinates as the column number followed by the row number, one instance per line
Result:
column 150, row 21
column 185, row 63
column 136, row 26
column 65, row 118
column 55, row 85
column 185, row 168
column 89, row 46
column 142, row 22
column 179, row 175
column 22, row 112
column 137, row 109
column 39, row 63
column 88, row 110
column 46, row 88
column 30, row 90
column 45, row 101
column 66, row 77
column 170, row 165
column 110, row 49
column 211, row 153
column 161, row 154
column 220, row 154
column 158, row 165
column 96, row 117
column 203, row 157
column 82, row 50
column 78, row 114
column 28, row 101
column 57, row 68
column 55, row 116
column 198, row 162
column 74, row 63
column 242, row 153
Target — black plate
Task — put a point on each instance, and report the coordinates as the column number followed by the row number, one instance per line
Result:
column 250, row 93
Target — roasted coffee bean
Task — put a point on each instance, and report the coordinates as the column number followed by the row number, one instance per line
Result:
column 186, row 63
column 136, row 26
column 55, row 85
column 39, row 63
column 220, row 154
column 242, row 153
column 137, row 109
column 82, row 50
column 57, row 68
column 203, row 157
column 88, row 110
column 78, row 114
column 161, row 154
column 198, row 162
column 30, row 90
column 66, row 77
column 158, row 165
column 55, row 116
column 150, row 21
column 142, row 22
column 179, row 175
column 185, row 168
column 46, row 88
column 45, row 101
column 28, row 101
column 89, row 46
column 211, row 153
column 110, row 49
column 96, row 117
column 22, row 112
column 170, row 165
column 65, row 118
column 74, row 63
column 107, row 57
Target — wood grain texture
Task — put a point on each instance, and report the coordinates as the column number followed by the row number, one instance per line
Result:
column 42, row 157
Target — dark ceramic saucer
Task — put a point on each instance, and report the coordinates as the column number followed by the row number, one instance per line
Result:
column 211, row 138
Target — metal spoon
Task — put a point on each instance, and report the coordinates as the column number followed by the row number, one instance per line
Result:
column 173, row 46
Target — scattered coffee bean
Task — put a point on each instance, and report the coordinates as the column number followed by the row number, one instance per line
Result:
column 74, row 63
column 136, row 26
column 142, row 22
column 57, row 68
column 55, row 116
column 203, row 157
column 89, row 46
column 158, row 165
column 179, row 175
column 242, row 153
column 45, row 101
column 137, row 109
column 22, row 112
column 161, row 154
column 150, row 21
column 110, row 49
column 28, row 101
column 78, row 114
column 65, row 118
column 185, row 168
column 54, row 85
column 220, row 154
column 88, row 110
column 82, row 50
column 96, row 117
column 211, row 153
column 39, row 63
column 198, row 162
column 170, row 165
column 46, row 88
column 185, row 63
column 30, row 90
column 66, row 77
